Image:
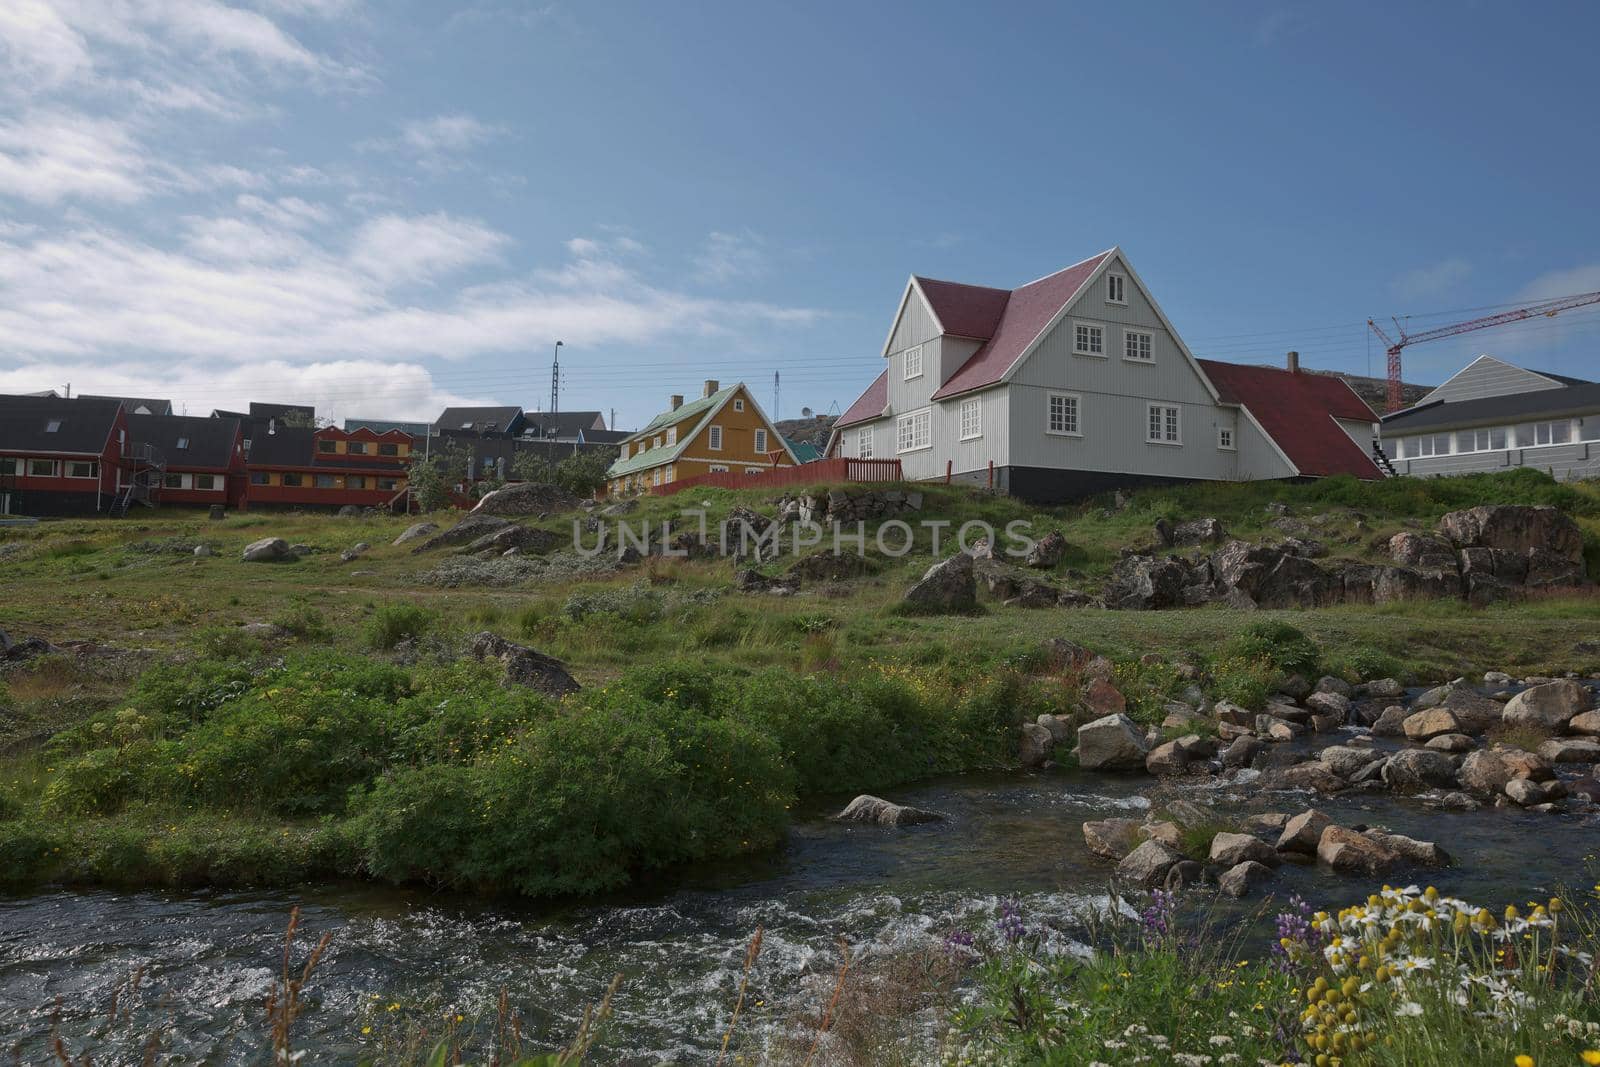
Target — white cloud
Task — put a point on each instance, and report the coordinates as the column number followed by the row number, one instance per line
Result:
column 39, row 46
column 726, row 257
column 444, row 133
column 1569, row 281
column 46, row 157
column 1434, row 280
column 394, row 249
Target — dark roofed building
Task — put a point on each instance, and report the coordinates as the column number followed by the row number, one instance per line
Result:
column 135, row 405
column 562, row 425
column 1492, row 415
column 479, row 422
column 202, row 460
column 59, row 456
column 327, row 467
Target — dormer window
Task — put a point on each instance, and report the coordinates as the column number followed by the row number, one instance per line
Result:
column 183, row 443
column 53, row 426
column 672, row 435
column 913, row 360
column 1116, row 288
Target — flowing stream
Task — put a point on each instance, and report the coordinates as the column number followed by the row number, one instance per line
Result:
column 208, row 959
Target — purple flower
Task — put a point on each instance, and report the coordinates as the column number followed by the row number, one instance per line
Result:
column 1010, row 926
column 1295, row 927
column 960, row 943
column 1155, row 921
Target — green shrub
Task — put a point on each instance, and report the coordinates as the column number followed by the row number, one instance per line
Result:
column 1280, row 644
column 104, row 780
column 392, row 623
column 1246, row 682
column 305, row 624
column 1363, row 663
column 1148, row 688
column 30, row 853
column 637, row 603
column 225, row 642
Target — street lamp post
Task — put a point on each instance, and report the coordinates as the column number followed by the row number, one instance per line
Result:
column 555, row 380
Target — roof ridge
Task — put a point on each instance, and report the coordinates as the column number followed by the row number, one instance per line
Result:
column 964, row 285
column 1069, row 266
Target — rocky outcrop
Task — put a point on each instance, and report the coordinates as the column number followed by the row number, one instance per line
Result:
column 526, row 498
column 848, row 505
column 268, row 550
column 1047, row 551
column 417, row 531
column 510, row 536
column 1111, row 743
column 1146, row 583
column 1514, row 529
column 946, row 587
column 880, row 812
column 523, row 666
column 464, row 532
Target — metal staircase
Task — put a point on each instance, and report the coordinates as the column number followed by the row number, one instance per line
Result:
column 146, row 467
column 1381, row 458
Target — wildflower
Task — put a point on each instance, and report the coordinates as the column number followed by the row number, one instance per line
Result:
column 1408, row 1008
column 1524, row 1060
column 1591, row 1057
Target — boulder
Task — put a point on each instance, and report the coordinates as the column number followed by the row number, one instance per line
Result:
column 1166, row 759
column 1066, row 656
column 1514, row 528
column 1350, row 852
column 1182, row 873
column 1241, row 752
column 1241, row 878
column 1329, row 684
column 1038, row 745
column 1450, row 743
column 1047, row 551
column 1380, row 689
column 203, row 551
column 1060, row 727
column 1530, row 794
column 1587, row 724
column 1410, row 849
column 1434, row 722
column 268, row 550
column 511, row 535
column 1549, row 706
column 1526, row 764
column 1547, row 569
column 948, row 586
column 1102, row 698
column 524, row 666
column 464, row 532
column 1414, row 769
column 354, row 552
column 1189, row 815
column 526, row 498
column 1111, row 743
column 1326, row 703
column 417, row 531
column 1570, row 750
column 1313, row 775
column 1422, row 552
column 1145, row 583
column 1391, row 723
column 1180, row 716
column 1111, row 838
column 1278, row 729
column 1267, row 823
column 1395, row 584
column 1226, row 711
column 880, row 812
column 1206, row 531
column 1346, row 761
column 1165, row 831
column 1302, row 832
column 1474, row 711
column 1230, row 849
column 1147, row 865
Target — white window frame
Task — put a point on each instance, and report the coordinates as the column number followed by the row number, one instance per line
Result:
column 672, row 435
column 94, row 469
column 655, row 476
column 12, row 465
column 970, row 415
column 1225, row 439
column 921, row 419
column 655, row 442
column 761, row 441
column 754, row 470
column 1076, row 415
column 1169, row 428
column 719, row 468
column 212, row 488
column 1084, row 349
column 864, row 443
column 55, row 468
column 714, row 438
column 912, row 361
column 1117, row 289
column 1129, row 336
column 738, row 403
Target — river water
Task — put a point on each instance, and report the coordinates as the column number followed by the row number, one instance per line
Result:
column 208, row 959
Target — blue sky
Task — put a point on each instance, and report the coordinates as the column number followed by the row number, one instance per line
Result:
column 382, row 208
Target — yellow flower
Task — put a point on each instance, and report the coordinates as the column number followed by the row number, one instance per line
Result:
column 1591, row 1056
column 366, row 1029
column 1523, row 1060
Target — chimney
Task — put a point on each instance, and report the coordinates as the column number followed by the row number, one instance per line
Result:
column 1294, row 363
column 677, row 401
column 711, row 387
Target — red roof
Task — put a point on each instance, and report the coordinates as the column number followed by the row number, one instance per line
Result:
column 869, row 405
column 1297, row 410
column 1026, row 313
column 965, row 310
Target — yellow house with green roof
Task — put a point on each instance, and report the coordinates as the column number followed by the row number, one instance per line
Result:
column 723, row 430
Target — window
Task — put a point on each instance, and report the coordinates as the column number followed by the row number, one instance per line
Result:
column 672, row 436
column 1589, row 428
column 1063, row 415
column 260, row 478
column 864, row 442
column 293, row 479
column 1088, row 339
column 355, row 481
column 655, row 442
column 83, row 468
column 715, row 439
column 322, row 446
column 719, row 468
column 326, row 481
column 356, row 448
column 761, row 440
column 1525, row 435
column 53, row 426
column 388, row 450
column 1488, row 439
column 1136, row 346
column 1116, row 289
column 913, row 431
column 672, row 472
column 183, row 444
column 913, row 362
column 752, row 470
column 41, row 468
column 205, row 481
column 1435, row 444
column 10, row 465
column 1225, row 438
column 172, row 481
column 1534, row 434
column 738, row 403
column 388, row 485
column 655, row 476
column 971, row 419
column 1163, row 427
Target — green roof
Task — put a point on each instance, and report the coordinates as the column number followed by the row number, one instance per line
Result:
column 803, row 451
column 654, row 457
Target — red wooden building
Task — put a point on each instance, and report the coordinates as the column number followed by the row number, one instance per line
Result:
column 58, row 456
column 326, row 467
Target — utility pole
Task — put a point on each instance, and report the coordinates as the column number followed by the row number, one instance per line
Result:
column 775, row 415
column 612, row 425
column 555, row 381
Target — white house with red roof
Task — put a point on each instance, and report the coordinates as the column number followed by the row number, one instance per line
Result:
column 1078, row 382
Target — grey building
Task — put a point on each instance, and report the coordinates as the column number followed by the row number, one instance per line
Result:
column 1492, row 415
column 1072, row 384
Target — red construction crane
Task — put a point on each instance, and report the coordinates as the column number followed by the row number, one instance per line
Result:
column 1549, row 309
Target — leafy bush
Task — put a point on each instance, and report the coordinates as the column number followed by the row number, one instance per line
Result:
column 1280, row 644
column 1363, row 663
column 305, row 624
column 1148, row 688
column 225, row 642
column 1245, row 682
column 637, row 603
column 392, row 623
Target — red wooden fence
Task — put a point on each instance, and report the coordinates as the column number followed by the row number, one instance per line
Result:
column 840, row 469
